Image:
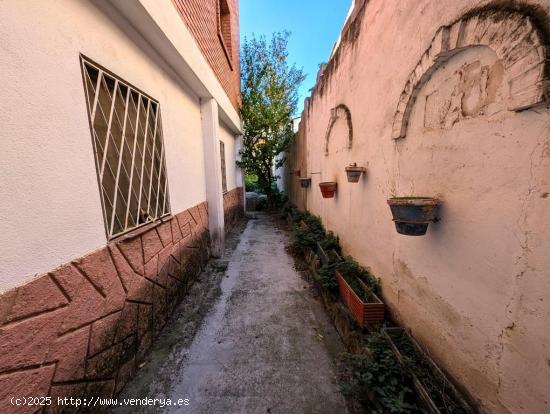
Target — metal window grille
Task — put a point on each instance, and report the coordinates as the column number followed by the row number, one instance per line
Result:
column 129, row 151
column 222, row 157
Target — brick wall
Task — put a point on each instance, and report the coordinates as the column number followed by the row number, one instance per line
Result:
column 201, row 17
column 233, row 207
column 83, row 328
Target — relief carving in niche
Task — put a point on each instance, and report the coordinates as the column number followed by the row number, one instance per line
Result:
column 475, row 89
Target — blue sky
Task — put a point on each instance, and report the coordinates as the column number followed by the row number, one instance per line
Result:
column 314, row 26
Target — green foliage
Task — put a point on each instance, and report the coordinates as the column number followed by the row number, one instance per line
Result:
column 416, row 362
column 331, row 242
column 351, row 270
column 309, row 231
column 251, row 183
column 327, row 277
column 380, row 374
column 269, row 96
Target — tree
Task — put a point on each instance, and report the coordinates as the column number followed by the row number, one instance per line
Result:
column 269, row 97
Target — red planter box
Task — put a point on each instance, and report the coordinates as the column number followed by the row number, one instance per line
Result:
column 364, row 313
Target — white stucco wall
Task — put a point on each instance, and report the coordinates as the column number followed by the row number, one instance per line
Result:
column 50, row 205
column 233, row 173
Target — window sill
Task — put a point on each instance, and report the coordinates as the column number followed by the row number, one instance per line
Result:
column 138, row 231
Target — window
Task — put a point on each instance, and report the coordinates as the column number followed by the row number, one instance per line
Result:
column 222, row 157
column 224, row 30
column 129, row 151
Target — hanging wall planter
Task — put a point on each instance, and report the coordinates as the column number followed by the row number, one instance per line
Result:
column 365, row 306
column 328, row 189
column 305, row 182
column 354, row 172
column 413, row 214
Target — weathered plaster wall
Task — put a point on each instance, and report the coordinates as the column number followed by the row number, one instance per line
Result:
column 475, row 290
column 47, row 218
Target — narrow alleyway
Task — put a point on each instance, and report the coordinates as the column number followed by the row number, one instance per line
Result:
column 264, row 346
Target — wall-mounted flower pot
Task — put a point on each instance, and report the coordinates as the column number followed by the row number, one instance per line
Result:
column 366, row 310
column 305, row 182
column 354, row 172
column 413, row 214
column 328, row 189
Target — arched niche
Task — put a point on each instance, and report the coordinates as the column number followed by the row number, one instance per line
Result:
column 516, row 42
column 339, row 111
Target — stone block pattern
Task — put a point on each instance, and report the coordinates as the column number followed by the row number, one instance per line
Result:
column 82, row 329
column 233, row 207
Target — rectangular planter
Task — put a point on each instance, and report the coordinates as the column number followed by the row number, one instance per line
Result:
column 365, row 313
column 420, row 389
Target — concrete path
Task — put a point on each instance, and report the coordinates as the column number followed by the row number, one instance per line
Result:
column 261, row 348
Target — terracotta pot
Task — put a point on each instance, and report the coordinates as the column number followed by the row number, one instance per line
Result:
column 364, row 313
column 328, row 189
column 305, row 182
column 412, row 215
column 354, row 173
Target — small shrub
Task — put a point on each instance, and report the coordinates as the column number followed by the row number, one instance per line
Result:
column 380, row 374
column 327, row 277
column 331, row 242
column 351, row 270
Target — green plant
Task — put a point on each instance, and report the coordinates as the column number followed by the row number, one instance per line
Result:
column 380, row 375
column 251, row 183
column 308, row 231
column 327, row 277
column 351, row 270
column 331, row 242
column 269, row 99
column 416, row 362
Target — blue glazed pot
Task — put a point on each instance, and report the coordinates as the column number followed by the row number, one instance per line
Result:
column 413, row 214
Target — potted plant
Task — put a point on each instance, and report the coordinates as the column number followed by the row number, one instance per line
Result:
column 358, row 289
column 328, row 188
column 413, row 214
column 354, row 172
column 305, row 182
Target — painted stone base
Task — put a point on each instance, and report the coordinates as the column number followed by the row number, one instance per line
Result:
column 233, row 207
column 82, row 329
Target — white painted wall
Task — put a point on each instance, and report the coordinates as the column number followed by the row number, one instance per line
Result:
column 233, row 173
column 50, row 207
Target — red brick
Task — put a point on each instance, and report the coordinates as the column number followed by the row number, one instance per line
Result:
column 103, row 333
column 133, row 251
column 165, row 233
column 201, row 18
column 125, row 373
column 101, row 271
column 137, row 288
column 28, row 383
column 176, row 231
column 27, row 342
column 86, row 302
column 104, row 364
column 151, row 244
column 183, row 220
column 128, row 321
column 70, row 352
column 7, row 300
column 145, row 319
column 37, row 296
